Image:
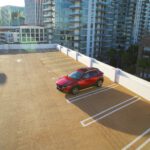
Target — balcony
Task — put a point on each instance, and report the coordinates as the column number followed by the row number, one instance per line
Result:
column 49, row 15
column 73, row 14
column 74, row 1
column 75, row 20
column 102, row 3
column 74, row 27
column 49, row 3
column 75, row 6
column 76, row 33
column 49, row 9
column 48, row 21
column 49, row 26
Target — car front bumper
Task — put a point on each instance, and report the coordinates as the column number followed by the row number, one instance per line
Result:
column 63, row 89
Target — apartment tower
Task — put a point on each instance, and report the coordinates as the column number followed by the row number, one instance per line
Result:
column 48, row 10
column 33, row 12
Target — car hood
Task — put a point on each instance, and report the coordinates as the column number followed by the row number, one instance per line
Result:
column 65, row 81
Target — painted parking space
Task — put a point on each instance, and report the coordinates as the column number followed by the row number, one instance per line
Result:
column 60, row 65
column 135, row 141
column 90, row 93
column 103, row 114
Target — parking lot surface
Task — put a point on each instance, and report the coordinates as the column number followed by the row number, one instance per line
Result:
column 34, row 115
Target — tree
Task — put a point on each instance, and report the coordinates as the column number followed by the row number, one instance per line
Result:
column 144, row 63
column 129, row 59
column 112, row 53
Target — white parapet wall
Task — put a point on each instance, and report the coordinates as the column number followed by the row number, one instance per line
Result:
column 34, row 47
column 131, row 82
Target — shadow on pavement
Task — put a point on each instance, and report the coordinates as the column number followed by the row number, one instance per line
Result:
column 133, row 119
column 3, row 78
column 14, row 52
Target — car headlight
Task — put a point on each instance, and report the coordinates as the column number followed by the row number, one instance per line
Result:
column 64, row 86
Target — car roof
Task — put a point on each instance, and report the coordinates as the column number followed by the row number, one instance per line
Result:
column 86, row 69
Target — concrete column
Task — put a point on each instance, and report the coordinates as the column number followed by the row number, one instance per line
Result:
column 117, row 74
column 30, row 35
column 91, row 62
column 39, row 35
column 34, row 35
column 20, row 35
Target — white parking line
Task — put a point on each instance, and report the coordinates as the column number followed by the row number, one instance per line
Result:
column 76, row 98
column 92, row 91
column 109, row 111
column 141, row 146
column 137, row 139
column 53, row 78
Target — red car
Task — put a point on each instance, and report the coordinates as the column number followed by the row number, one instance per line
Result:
column 80, row 79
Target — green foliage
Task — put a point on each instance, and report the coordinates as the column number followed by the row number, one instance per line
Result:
column 112, row 57
column 144, row 63
column 124, row 59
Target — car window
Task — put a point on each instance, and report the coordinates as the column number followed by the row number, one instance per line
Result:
column 86, row 75
column 93, row 73
column 75, row 75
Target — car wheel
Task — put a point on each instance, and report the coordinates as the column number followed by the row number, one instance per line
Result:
column 75, row 90
column 99, row 83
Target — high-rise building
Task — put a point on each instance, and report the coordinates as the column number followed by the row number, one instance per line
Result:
column 92, row 25
column 56, row 19
column 147, row 16
column 62, row 33
column 79, row 24
column 123, row 23
column 1, row 17
column 12, row 16
column 48, row 7
column 141, row 12
column 101, row 25
column 33, row 12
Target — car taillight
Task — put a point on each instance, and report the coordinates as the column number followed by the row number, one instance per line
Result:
column 101, row 73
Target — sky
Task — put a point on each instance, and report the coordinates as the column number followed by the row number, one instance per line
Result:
column 12, row 2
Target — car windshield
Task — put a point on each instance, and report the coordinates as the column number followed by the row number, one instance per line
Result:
column 75, row 75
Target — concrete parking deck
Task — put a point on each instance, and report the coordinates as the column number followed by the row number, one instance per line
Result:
column 35, row 116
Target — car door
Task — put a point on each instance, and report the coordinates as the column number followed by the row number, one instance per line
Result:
column 93, row 77
column 85, row 80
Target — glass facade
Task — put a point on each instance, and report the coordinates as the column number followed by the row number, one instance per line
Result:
column 79, row 23
column 33, row 12
column 62, row 34
column 92, row 26
column 83, row 27
column 12, row 16
column 103, row 28
column 48, row 7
